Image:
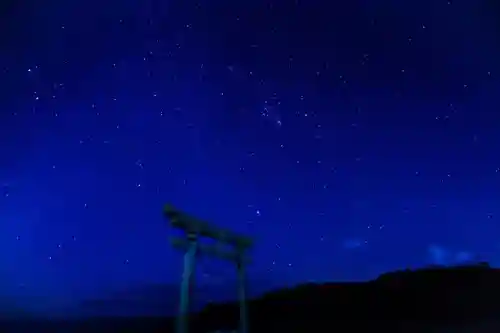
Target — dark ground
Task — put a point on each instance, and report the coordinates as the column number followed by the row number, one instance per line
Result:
column 458, row 299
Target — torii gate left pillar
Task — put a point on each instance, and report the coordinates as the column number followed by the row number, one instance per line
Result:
column 194, row 229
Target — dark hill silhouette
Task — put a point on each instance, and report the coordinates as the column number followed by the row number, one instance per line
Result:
column 435, row 299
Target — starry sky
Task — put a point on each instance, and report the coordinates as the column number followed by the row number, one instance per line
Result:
column 348, row 138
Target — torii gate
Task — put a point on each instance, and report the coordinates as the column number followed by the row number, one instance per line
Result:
column 194, row 229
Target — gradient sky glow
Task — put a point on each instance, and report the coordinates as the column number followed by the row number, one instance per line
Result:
column 348, row 138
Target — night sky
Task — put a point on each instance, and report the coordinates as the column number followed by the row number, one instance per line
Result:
column 348, row 138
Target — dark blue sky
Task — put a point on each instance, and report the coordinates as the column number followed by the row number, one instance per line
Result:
column 348, row 138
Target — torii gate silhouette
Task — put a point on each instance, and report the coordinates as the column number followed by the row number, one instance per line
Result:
column 194, row 229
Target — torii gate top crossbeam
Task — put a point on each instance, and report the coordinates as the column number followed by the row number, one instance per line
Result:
column 190, row 224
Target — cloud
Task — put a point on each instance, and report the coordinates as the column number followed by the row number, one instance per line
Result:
column 352, row 243
column 463, row 257
column 438, row 255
